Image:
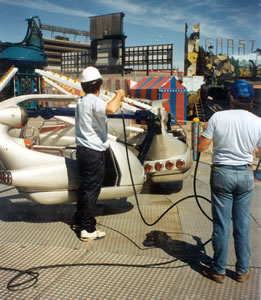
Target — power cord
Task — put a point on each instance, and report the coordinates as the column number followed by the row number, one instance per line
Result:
column 16, row 284
column 33, row 272
column 173, row 205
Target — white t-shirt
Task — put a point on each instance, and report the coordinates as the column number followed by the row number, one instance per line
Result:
column 235, row 134
column 91, row 123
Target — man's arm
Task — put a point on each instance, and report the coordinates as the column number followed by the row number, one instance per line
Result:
column 115, row 102
column 204, row 143
column 258, row 153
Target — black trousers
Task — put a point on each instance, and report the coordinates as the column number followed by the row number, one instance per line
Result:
column 91, row 165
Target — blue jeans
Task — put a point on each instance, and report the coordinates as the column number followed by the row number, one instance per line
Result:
column 231, row 192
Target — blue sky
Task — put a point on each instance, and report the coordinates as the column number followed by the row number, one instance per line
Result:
column 146, row 22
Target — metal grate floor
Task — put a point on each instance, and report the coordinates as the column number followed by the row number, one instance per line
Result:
column 39, row 238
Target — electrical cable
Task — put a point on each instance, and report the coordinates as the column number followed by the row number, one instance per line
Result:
column 195, row 195
column 195, row 190
column 34, row 275
column 173, row 205
column 12, row 286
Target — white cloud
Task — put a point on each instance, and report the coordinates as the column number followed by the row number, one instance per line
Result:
column 172, row 16
column 125, row 6
column 218, row 19
column 48, row 7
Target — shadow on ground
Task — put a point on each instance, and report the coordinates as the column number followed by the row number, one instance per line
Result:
column 15, row 208
column 193, row 255
column 166, row 188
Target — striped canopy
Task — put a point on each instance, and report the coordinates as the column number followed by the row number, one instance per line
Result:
column 155, row 88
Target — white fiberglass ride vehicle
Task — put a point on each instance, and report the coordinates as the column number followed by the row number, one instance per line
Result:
column 48, row 174
column 166, row 158
column 42, row 165
column 165, row 154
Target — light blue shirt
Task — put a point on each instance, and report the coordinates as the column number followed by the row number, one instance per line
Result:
column 91, row 123
column 235, row 134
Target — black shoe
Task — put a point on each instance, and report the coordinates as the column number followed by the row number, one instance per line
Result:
column 211, row 274
column 76, row 227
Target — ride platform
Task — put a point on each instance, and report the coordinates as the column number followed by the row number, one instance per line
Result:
column 43, row 258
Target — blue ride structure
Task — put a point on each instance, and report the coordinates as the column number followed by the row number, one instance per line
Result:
column 27, row 56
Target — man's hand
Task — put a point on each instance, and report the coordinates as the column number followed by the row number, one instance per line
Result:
column 115, row 102
column 121, row 93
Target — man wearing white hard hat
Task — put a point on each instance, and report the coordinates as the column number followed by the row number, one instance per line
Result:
column 91, row 140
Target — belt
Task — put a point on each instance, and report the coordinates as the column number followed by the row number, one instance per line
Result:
column 78, row 146
column 220, row 165
column 90, row 149
column 231, row 166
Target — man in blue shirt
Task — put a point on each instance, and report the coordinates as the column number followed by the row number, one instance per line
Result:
column 91, row 140
column 235, row 135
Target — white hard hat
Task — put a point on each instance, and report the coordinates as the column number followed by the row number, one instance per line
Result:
column 90, row 74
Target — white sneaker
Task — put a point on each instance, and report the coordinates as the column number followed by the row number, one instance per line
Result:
column 85, row 235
